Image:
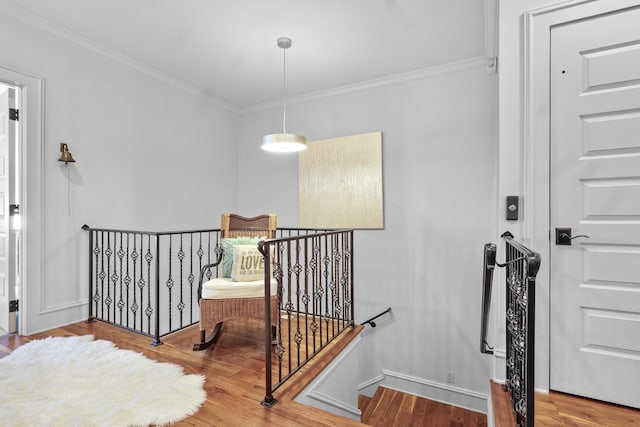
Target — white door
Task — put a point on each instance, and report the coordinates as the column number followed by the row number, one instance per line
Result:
column 6, row 291
column 595, row 191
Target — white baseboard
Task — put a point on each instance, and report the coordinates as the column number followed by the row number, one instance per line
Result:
column 329, row 404
column 368, row 388
column 313, row 397
column 432, row 390
column 499, row 360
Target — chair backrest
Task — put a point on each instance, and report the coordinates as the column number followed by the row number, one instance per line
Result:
column 233, row 225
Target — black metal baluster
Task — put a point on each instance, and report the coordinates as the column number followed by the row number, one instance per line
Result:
column 335, row 263
column 279, row 276
column 289, row 305
column 351, row 280
column 127, row 280
column 191, row 278
column 121, row 298
column 317, row 287
column 305, row 297
column 98, row 256
column 134, row 257
column 297, row 268
column 326, row 274
column 142, row 284
column 200, row 254
column 339, row 284
column 181, row 255
column 148, row 258
column 108, row 254
column 169, row 283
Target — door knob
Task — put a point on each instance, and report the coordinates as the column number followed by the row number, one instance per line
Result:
column 564, row 237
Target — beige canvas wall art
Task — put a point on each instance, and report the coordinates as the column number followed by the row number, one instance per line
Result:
column 340, row 182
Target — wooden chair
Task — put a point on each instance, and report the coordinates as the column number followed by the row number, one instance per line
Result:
column 215, row 307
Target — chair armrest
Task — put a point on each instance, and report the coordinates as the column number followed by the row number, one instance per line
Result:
column 202, row 272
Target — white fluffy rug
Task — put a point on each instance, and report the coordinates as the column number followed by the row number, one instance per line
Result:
column 77, row 381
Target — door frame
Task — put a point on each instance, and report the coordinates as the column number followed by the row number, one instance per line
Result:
column 536, row 108
column 31, row 191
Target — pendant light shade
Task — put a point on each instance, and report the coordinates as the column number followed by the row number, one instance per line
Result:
column 284, row 142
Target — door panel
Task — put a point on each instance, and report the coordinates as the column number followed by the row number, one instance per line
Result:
column 595, row 190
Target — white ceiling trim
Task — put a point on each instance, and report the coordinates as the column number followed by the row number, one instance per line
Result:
column 479, row 61
column 62, row 32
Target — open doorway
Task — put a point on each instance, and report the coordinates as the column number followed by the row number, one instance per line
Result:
column 10, row 221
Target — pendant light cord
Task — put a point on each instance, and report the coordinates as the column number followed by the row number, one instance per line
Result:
column 284, row 90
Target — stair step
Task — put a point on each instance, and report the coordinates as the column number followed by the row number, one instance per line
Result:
column 394, row 408
column 502, row 412
column 363, row 403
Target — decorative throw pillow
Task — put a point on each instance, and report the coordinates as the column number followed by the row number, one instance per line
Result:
column 227, row 244
column 248, row 264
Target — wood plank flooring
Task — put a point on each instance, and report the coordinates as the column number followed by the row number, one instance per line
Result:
column 559, row 409
column 391, row 408
column 235, row 385
column 234, row 371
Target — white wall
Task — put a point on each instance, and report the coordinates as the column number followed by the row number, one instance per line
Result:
column 150, row 155
column 439, row 162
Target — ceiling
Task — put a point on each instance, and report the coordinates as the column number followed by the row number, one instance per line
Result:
column 227, row 48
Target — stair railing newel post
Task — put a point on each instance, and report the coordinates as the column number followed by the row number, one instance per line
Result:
column 533, row 266
column 351, row 277
column 85, row 227
column 268, row 400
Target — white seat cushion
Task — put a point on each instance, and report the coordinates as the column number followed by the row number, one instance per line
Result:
column 224, row 288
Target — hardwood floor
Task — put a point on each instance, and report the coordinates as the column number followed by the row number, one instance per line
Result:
column 559, row 409
column 391, row 408
column 234, row 371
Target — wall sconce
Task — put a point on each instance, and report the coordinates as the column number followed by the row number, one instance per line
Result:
column 65, row 154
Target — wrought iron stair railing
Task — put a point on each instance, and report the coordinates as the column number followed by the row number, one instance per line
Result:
column 371, row 322
column 314, row 275
column 522, row 266
column 147, row 282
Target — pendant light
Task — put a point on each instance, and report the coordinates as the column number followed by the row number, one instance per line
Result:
column 284, row 142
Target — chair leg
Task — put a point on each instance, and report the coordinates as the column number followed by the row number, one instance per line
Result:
column 205, row 342
column 274, row 338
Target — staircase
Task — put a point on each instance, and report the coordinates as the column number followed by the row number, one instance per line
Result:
column 391, row 408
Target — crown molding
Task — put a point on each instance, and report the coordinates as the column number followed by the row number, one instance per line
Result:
column 423, row 73
column 19, row 12
column 37, row 21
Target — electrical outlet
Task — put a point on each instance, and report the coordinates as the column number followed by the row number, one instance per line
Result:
column 451, row 377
